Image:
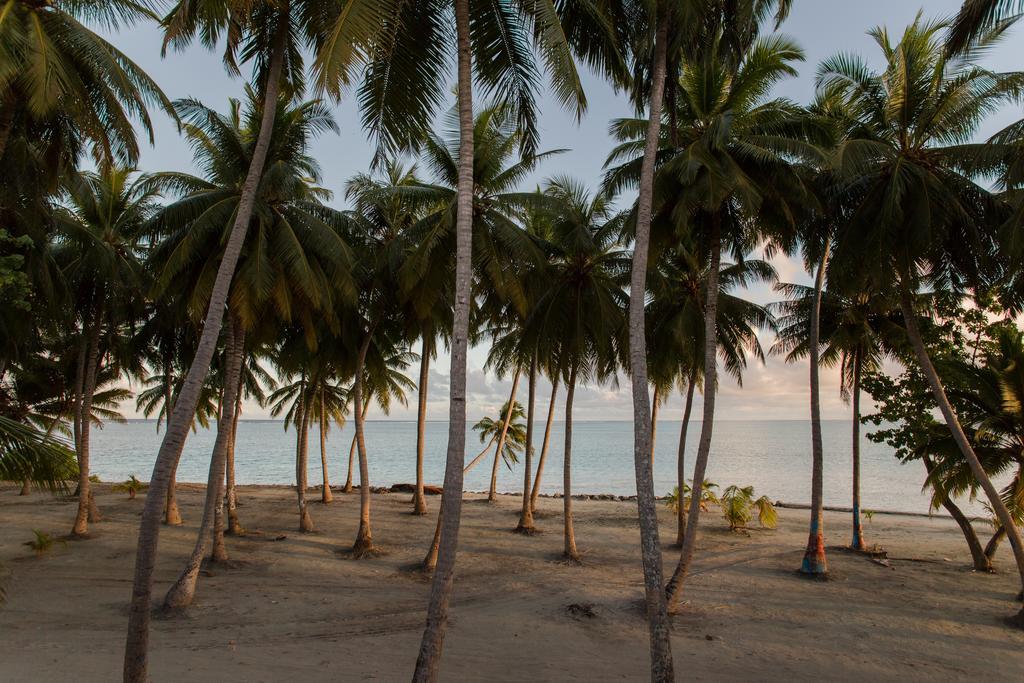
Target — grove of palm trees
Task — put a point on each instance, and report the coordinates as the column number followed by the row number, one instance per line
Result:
column 867, row 240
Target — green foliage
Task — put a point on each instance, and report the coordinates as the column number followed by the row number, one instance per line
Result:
column 42, row 543
column 708, row 497
column 868, row 515
column 739, row 506
column 515, row 438
column 131, row 486
column 26, row 454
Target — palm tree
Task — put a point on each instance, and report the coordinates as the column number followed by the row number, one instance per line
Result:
column 508, row 430
column 859, row 330
column 918, row 218
column 55, row 71
column 729, row 181
column 293, row 264
column 580, row 316
column 100, row 230
column 678, row 290
column 976, row 17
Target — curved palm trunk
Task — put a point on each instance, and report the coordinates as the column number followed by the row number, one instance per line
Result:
column 183, row 591
column 675, row 585
column 351, row 464
column 492, row 491
column 681, row 463
column 325, row 493
column 231, row 493
column 364, row 537
column 136, row 658
column 570, row 552
column 87, row 511
column 525, row 524
column 544, row 446
column 815, row 563
column 172, row 514
column 428, row 662
column 83, row 349
column 419, row 501
column 914, row 333
column 858, row 530
column 650, row 544
column 981, row 559
column 993, row 543
column 227, row 492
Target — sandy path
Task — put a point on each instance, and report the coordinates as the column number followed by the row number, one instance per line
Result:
column 294, row 609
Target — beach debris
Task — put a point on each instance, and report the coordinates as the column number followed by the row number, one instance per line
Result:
column 581, row 610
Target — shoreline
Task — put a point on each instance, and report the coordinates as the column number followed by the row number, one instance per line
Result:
column 434, row 490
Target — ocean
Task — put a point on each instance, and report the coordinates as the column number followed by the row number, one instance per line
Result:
column 773, row 456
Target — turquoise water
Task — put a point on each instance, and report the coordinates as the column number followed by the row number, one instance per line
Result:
column 774, row 456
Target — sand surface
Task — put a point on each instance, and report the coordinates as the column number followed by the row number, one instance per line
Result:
column 294, row 609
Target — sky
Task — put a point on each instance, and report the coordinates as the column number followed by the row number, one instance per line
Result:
column 774, row 391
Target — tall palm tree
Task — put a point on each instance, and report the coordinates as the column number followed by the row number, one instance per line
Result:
column 293, row 263
column 582, row 308
column 858, row 331
column 268, row 34
column 678, row 291
column 101, row 226
column 729, row 182
column 977, row 17
column 918, row 218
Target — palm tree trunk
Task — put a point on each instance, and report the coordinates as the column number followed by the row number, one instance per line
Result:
column 7, row 109
column 302, row 464
column 183, row 591
column 136, row 657
column 993, row 543
column 681, row 462
column 654, row 423
column 570, row 553
column 914, row 333
column 650, row 544
column 428, row 661
column 351, row 464
column 325, row 493
column 525, row 525
column 675, row 585
column 172, row 515
column 492, row 491
column 858, row 529
column 981, row 559
column 86, row 505
column 544, row 446
column 364, row 537
column 480, row 456
column 419, row 501
column 220, row 551
column 815, row 563
column 83, row 350
column 231, row 493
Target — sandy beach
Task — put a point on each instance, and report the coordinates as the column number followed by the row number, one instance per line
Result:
column 289, row 606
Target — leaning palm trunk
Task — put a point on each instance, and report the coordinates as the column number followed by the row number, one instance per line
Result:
column 650, row 544
column 428, row 662
column 681, row 463
column 544, row 447
column 430, row 561
column 815, row 563
column 979, row 556
column 136, row 657
column 86, row 505
column 492, row 491
column 914, row 332
column 419, row 501
column 570, row 553
column 525, row 525
column 675, row 585
column 858, row 530
column 325, row 493
column 364, row 537
column 655, row 400
column 302, row 463
column 172, row 515
column 183, row 591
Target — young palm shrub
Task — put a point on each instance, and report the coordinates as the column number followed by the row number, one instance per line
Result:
column 42, row 542
column 131, row 486
column 739, row 507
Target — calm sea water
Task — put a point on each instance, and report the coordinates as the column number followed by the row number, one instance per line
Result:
column 773, row 456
